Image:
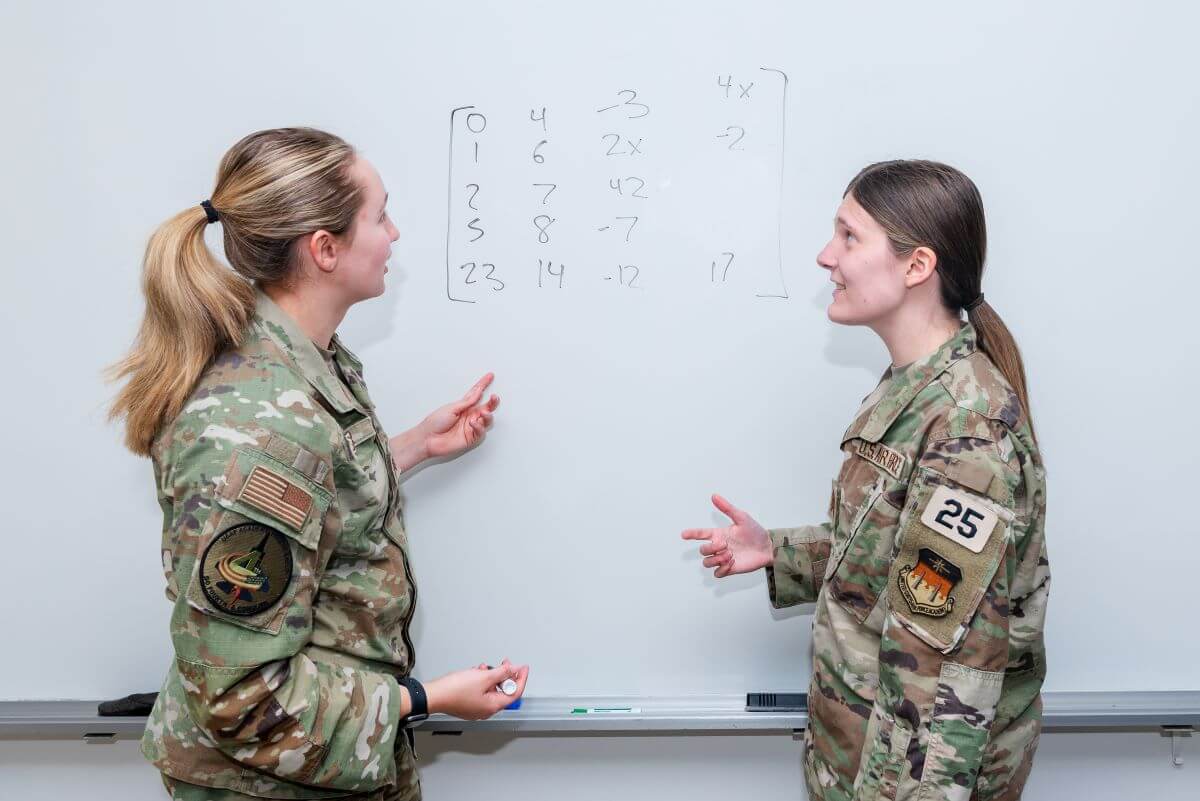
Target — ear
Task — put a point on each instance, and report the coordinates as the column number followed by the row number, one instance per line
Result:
column 322, row 249
column 922, row 264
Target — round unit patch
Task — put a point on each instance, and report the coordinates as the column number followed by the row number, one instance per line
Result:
column 246, row 569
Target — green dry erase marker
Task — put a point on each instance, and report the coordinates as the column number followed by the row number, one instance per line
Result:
column 590, row 710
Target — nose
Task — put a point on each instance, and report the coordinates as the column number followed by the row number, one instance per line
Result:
column 825, row 258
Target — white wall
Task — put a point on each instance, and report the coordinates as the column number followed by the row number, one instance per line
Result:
column 623, row 409
column 1077, row 119
column 1096, row 767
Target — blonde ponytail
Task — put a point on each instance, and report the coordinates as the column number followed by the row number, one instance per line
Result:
column 195, row 307
column 272, row 187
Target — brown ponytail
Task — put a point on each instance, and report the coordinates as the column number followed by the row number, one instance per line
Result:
column 925, row 203
column 997, row 342
column 272, row 188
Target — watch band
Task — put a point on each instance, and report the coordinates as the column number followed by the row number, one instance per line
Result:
column 420, row 702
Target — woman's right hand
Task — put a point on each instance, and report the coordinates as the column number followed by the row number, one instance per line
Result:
column 474, row 693
column 740, row 548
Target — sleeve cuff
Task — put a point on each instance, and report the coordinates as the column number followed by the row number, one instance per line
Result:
column 794, row 575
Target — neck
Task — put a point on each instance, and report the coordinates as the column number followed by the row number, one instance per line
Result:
column 912, row 334
column 316, row 317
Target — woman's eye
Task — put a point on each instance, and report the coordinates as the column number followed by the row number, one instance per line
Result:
column 849, row 237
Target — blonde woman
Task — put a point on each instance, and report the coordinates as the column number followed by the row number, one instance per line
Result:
column 283, row 542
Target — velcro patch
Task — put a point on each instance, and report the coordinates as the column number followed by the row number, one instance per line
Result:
column 927, row 585
column 246, row 569
column 959, row 518
column 970, row 474
column 882, row 457
column 950, row 549
column 274, row 495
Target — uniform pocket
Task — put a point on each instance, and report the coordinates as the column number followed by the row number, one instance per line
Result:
column 883, row 766
column 963, row 711
column 264, row 489
column 363, row 492
column 858, row 573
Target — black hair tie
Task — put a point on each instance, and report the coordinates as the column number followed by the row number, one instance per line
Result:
column 975, row 304
column 209, row 211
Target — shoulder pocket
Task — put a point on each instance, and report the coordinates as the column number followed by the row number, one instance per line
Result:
column 951, row 544
column 257, row 552
column 262, row 488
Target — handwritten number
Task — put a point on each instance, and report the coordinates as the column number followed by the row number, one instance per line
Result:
column 492, row 269
column 474, row 226
column 548, row 267
column 633, row 222
column 542, row 222
column 741, row 135
column 630, row 101
column 725, row 273
column 479, row 119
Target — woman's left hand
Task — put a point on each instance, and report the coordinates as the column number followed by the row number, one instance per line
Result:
column 461, row 425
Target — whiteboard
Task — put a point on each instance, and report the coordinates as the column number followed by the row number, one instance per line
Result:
column 661, row 369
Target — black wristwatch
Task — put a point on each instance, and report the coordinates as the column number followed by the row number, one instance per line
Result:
column 420, row 702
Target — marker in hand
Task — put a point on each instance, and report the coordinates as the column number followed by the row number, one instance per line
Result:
column 508, row 687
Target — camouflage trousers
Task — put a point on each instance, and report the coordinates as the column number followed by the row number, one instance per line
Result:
column 182, row 791
column 407, row 788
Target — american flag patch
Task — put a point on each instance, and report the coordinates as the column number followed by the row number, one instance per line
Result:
column 275, row 495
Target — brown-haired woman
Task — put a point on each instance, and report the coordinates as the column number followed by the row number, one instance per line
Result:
column 930, row 578
column 283, row 540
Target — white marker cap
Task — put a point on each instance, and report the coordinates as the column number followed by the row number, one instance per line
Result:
column 509, row 687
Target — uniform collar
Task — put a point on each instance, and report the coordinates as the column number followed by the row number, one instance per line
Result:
column 344, row 355
column 881, row 409
column 303, row 354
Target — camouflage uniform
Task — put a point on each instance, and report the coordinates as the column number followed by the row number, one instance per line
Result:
column 930, row 581
column 286, row 560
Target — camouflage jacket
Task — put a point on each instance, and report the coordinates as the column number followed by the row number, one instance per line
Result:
column 286, row 561
column 930, row 581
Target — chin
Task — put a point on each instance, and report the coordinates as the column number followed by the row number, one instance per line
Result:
column 368, row 293
column 837, row 314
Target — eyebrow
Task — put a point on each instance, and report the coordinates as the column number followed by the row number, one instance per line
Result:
column 842, row 222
